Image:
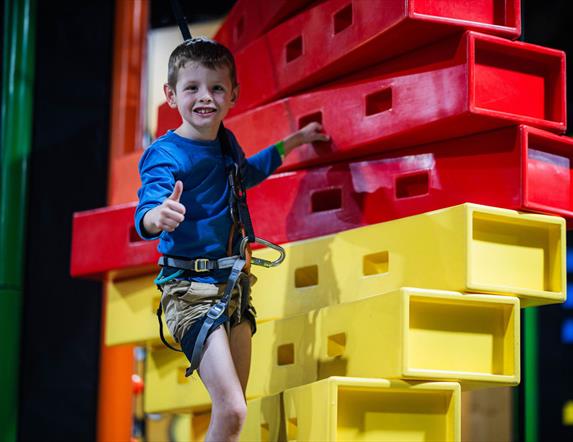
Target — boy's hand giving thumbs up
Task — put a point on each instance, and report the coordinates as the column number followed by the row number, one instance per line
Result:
column 168, row 215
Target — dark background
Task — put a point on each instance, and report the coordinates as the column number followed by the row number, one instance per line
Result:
column 549, row 23
column 68, row 173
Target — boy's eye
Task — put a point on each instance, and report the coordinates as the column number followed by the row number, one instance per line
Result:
column 191, row 88
column 218, row 88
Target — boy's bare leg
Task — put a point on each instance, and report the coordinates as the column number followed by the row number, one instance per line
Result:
column 240, row 343
column 217, row 370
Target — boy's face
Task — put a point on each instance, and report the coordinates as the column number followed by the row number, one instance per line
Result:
column 203, row 98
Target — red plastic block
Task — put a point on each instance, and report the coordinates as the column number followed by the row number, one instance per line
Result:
column 105, row 240
column 250, row 19
column 519, row 167
column 167, row 118
column 338, row 37
column 467, row 84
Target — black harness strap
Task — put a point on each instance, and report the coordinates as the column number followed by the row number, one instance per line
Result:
column 214, row 313
column 238, row 194
column 181, row 20
column 198, row 265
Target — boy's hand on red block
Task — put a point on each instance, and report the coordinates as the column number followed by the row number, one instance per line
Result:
column 168, row 215
column 310, row 133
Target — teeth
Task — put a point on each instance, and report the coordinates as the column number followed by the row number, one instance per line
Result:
column 204, row 111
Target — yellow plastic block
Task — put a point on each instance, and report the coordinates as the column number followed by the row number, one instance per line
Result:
column 263, row 423
column 465, row 248
column 415, row 334
column 199, row 426
column 131, row 306
column 421, row 334
column 282, row 355
column 181, row 427
column 568, row 413
column 166, row 387
column 338, row 409
column 291, row 364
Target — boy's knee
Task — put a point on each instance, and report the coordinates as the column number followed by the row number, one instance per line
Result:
column 238, row 412
column 234, row 414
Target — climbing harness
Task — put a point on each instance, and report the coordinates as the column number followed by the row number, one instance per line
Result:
column 238, row 263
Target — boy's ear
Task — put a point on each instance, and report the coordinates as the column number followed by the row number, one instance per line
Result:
column 235, row 95
column 170, row 96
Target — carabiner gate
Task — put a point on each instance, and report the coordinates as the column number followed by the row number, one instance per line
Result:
column 260, row 261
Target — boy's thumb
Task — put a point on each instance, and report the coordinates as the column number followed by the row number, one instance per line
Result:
column 177, row 191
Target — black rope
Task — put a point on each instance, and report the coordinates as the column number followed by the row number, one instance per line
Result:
column 161, row 335
column 522, row 12
column 181, row 20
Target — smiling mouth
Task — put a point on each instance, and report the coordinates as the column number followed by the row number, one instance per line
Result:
column 204, row 111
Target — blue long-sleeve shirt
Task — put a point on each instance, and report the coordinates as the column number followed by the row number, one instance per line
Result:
column 201, row 166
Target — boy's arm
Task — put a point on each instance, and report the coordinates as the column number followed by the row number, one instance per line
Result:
column 159, row 208
column 262, row 164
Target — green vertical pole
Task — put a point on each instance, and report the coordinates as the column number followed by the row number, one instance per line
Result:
column 530, row 375
column 516, row 430
column 16, row 132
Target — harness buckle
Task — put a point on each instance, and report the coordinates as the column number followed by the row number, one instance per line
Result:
column 216, row 310
column 201, row 265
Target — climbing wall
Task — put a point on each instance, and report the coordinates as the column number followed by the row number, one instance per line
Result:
column 414, row 237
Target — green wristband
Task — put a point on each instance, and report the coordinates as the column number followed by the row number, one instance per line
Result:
column 280, row 148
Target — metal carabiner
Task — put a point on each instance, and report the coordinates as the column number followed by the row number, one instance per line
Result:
column 260, row 261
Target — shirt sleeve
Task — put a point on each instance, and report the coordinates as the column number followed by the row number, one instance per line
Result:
column 158, row 170
column 259, row 166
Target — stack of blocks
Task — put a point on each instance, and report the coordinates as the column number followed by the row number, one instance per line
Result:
column 410, row 239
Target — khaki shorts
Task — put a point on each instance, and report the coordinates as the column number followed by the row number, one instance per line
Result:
column 186, row 302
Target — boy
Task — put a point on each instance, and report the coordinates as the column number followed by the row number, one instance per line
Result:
column 184, row 201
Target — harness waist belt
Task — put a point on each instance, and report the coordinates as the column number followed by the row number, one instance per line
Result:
column 200, row 264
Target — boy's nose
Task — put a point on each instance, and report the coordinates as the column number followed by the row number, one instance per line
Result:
column 205, row 97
